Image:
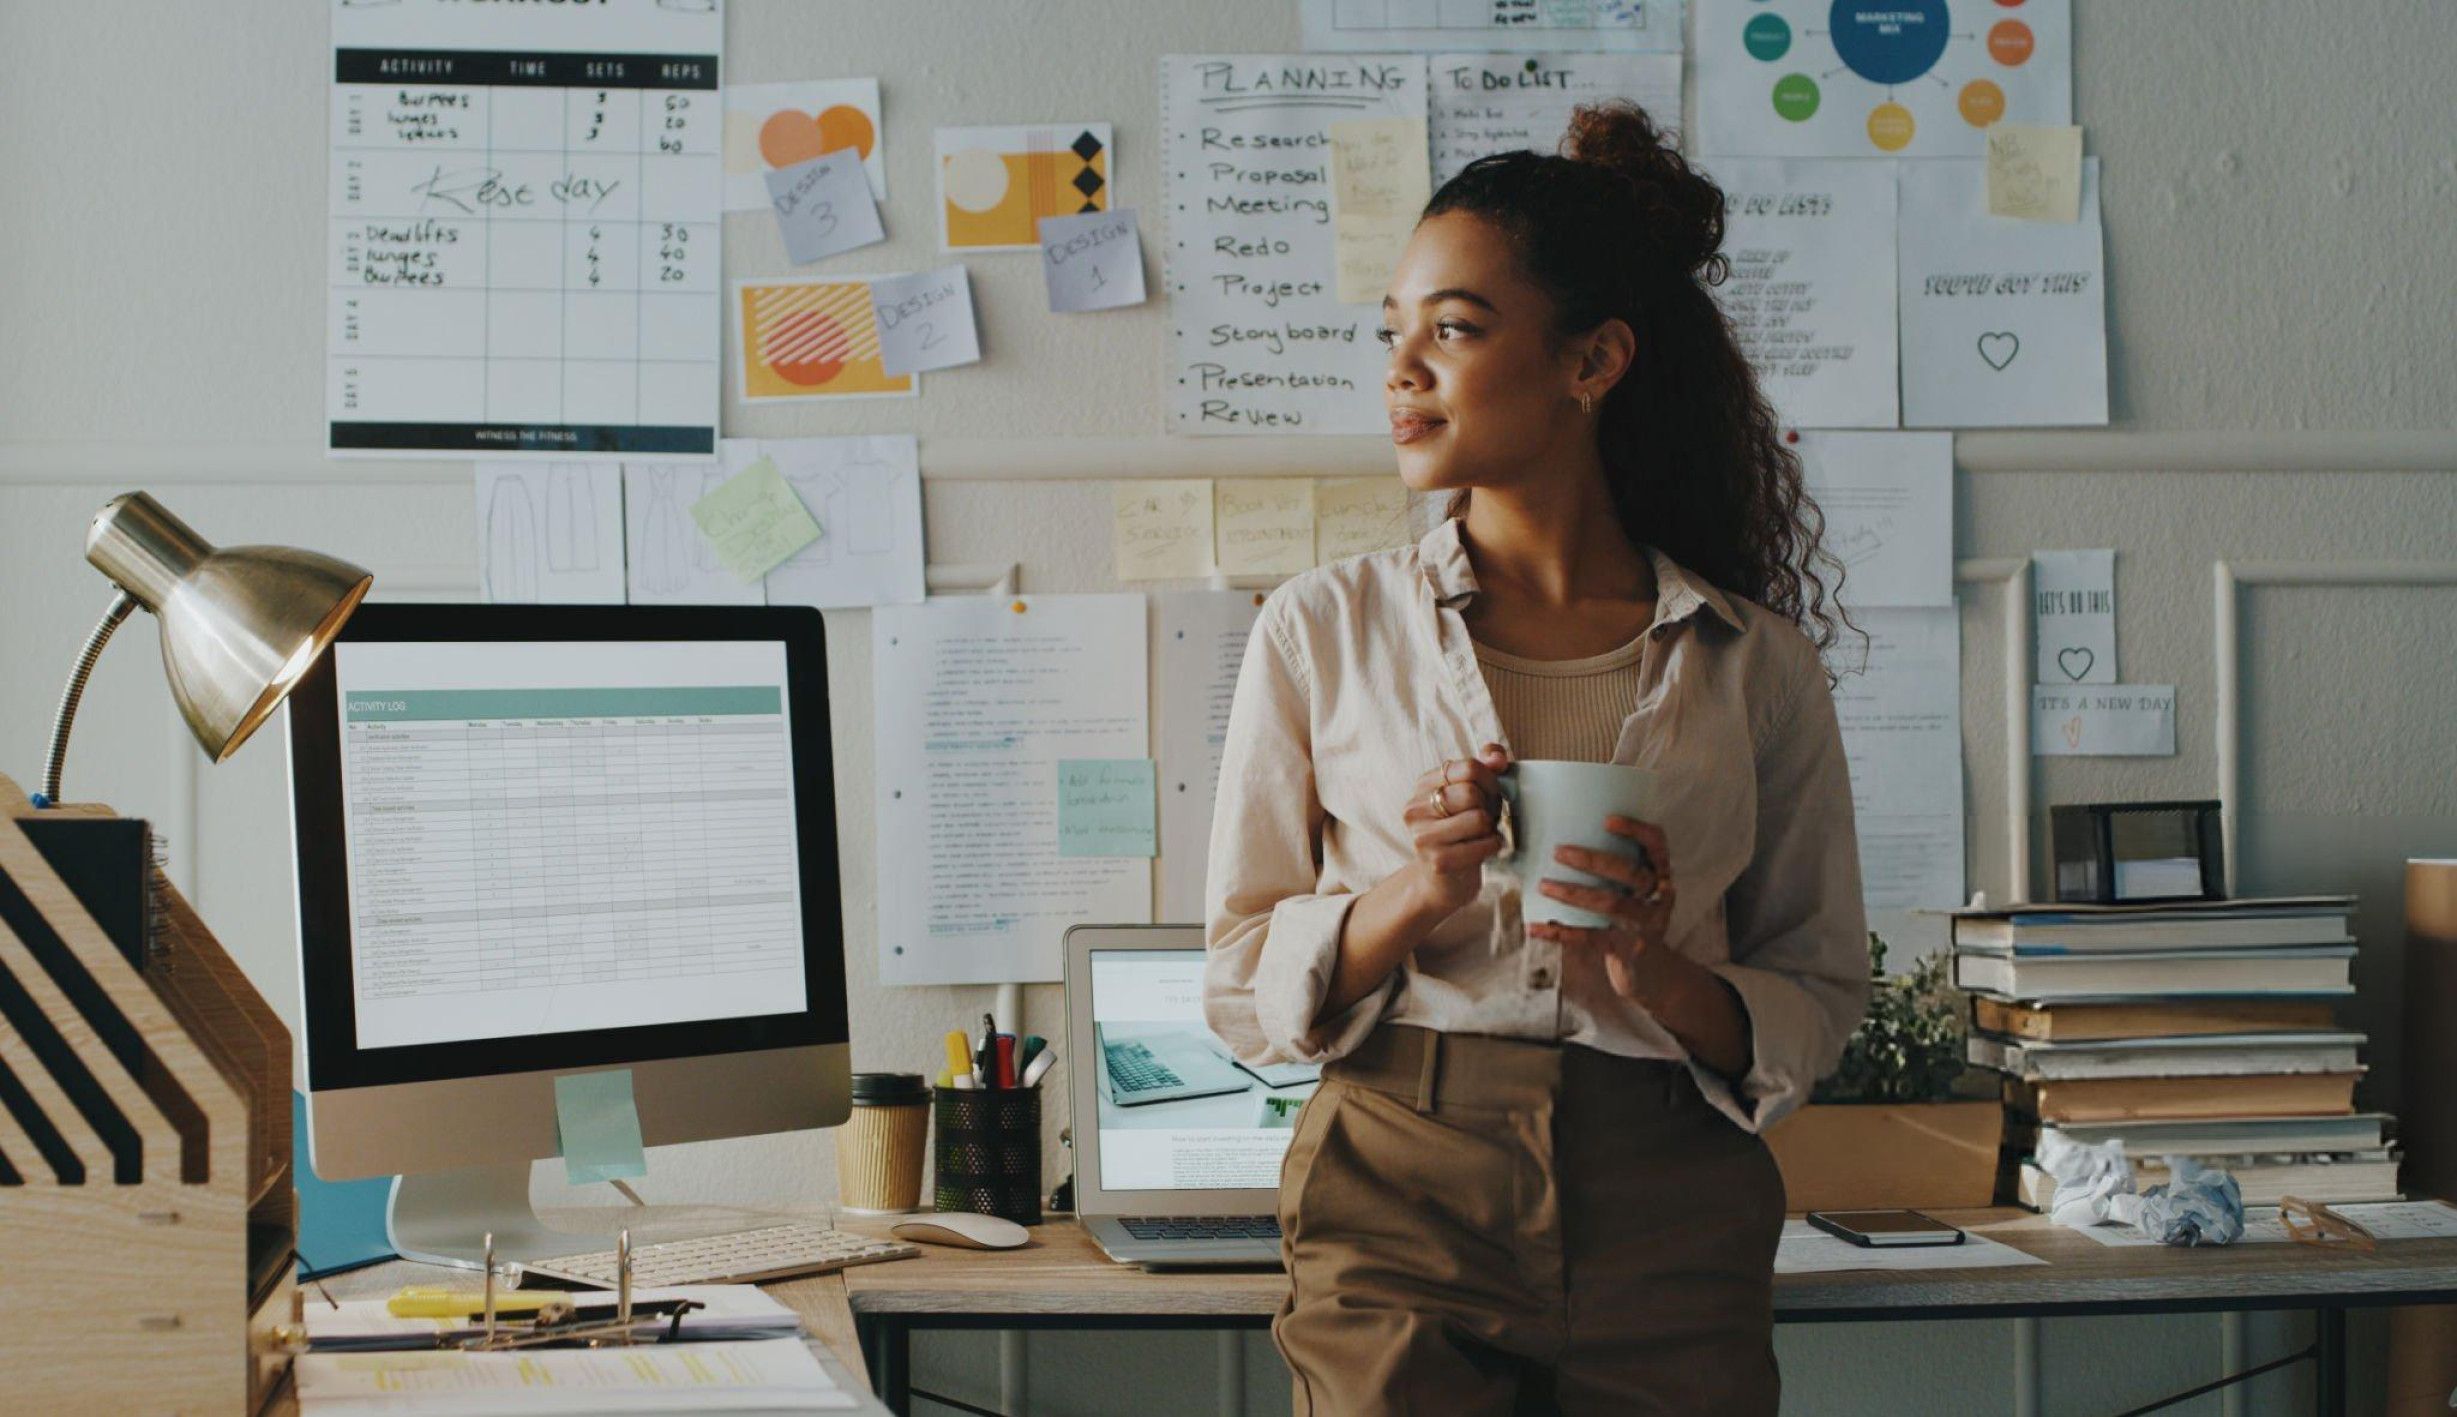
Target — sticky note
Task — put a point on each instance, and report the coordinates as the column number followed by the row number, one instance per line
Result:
column 1381, row 177
column 597, row 1128
column 1264, row 525
column 925, row 320
column 1093, row 261
column 824, row 206
column 1163, row 529
column 1106, row 807
column 754, row 521
column 2035, row 171
column 1353, row 515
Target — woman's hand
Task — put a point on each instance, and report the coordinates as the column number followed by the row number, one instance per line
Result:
column 1637, row 958
column 1454, row 816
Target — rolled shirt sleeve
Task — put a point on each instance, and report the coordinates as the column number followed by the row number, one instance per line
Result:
column 1797, row 926
column 1272, row 934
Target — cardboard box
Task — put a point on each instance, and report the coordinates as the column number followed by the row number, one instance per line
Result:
column 1875, row 1156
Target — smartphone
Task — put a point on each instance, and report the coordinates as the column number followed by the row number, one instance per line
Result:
column 1886, row 1228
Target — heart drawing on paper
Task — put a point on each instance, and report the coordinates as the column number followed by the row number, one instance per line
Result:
column 2073, row 731
column 1998, row 347
column 2065, row 658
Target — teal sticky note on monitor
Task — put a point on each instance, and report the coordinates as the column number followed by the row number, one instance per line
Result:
column 1106, row 807
column 597, row 1127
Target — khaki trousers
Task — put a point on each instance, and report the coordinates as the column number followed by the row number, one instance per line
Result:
column 1477, row 1224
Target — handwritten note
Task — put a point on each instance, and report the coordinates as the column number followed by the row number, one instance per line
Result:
column 925, row 320
column 597, row 1126
column 824, row 206
column 2073, row 596
column 1379, row 185
column 2109, row 720
column 1483, row 104
column 2035, row 171
column 1163, row 530
column 1105, row 807
column 1266, row 525
column 1353, row 515
column 754, row 521
column 1811, row 294
column 1093, row 261
column 1888, row 500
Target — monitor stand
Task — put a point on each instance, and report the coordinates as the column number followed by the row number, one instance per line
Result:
column 444, row 1217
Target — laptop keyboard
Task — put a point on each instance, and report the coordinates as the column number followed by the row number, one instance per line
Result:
column 1202, row 1227
column 1132, row 1068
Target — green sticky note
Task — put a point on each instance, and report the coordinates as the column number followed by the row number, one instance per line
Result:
column 754, row 520
column 597, row 1128
column 1106, row 807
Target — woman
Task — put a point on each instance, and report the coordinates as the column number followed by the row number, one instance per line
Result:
column 1532, row 1174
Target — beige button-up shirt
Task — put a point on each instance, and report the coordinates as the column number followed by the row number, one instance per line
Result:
column 1360, row 677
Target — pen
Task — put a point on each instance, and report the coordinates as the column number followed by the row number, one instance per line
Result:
column 1040, row 1068
column 985, row 1058
column 1027, row 1050
column 1006, row 1060
column 959, row 1058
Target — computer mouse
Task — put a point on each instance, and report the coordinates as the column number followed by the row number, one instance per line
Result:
column 961, row 1228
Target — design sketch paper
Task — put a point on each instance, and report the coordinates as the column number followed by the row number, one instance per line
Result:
column 1481, row 104
column 670, row 563
column 823, row 206
column 811, row 339
column 522, row 247
column 768, row 126
column 1162, row 530
column 1379, row 187
column 995, row 184
column 1888, row 499
column 2035, row 171
column 2004, row 321
column 1906, row 78
column 976, row 705
column 1353, row 515
column 865, row 493
column 1265, row 525
column 550, row 533
column 925, row 320
column 1515, row 25
column 1261, row 343
column 1902, row 735
column 2073, row 605
column 2102, row 720
column 1812, row 288
column 1201, row 636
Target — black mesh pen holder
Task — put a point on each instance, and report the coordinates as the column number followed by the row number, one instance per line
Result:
column 987, row 1152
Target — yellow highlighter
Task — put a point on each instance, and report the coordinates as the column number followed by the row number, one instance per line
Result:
column 434, row 1301
column 959, row 1057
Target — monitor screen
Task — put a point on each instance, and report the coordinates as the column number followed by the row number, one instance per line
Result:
column 1177, row 1112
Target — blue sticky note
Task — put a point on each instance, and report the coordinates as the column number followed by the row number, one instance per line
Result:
column 341, row 1223
column 597, row 1128
column 1106, row 807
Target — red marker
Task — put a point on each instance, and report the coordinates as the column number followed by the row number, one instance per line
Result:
column 1006, row 1060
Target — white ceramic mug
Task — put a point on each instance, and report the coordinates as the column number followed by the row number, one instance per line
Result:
column 1554, row 803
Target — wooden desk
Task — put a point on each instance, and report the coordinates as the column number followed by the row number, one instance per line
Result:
column 1061, row 1280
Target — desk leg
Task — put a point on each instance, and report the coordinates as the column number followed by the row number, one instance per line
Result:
column 887, row 1346
column 2329, row 1363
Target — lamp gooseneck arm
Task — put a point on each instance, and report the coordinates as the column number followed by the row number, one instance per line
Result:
column 120, row 609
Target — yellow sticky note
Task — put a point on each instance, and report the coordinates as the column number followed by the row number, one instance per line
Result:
column 1353, row 515
column 1266, row 525
column 2035, row 172
column 754, row 520
column 1381, row 178
column 1163, row 529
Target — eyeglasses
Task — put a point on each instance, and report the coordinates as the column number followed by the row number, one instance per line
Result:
column 2311, row 1223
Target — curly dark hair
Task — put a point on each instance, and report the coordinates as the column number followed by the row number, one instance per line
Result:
column 1619, row 225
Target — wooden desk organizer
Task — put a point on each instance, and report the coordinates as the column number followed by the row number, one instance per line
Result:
column 147, row 1215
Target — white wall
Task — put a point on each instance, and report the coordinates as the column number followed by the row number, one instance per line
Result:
column 2277, row 186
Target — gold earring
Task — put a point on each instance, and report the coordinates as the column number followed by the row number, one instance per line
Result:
column 1586, row 403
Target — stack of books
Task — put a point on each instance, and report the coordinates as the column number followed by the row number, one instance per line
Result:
column 2195, row 1028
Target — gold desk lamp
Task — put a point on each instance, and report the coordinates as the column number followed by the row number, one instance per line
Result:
column 240, row 624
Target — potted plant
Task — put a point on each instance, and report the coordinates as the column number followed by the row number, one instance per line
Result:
column 1891, row 1128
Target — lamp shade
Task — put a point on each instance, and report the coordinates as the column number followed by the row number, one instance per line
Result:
column 239, row 624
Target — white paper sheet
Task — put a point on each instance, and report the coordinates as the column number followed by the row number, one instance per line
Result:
column 1812, row 288
column 1201, row 637
column 976, row 703
column 2073, row 615
column 668, row 561
column 1805, row 1249
column 2387, row 1220
column 1092, row 262
column 823, row 206
column 2102, row 720
column 1259, row 343
column 865, row 494
column 2004, row 321
column 777, row 125
column 550, row 533
column 1516, row 25
column 770, row 1375
column 1481, row 104
column 1888, row 499
column 521, row 259
column 1808, row 78
column 1902, row 734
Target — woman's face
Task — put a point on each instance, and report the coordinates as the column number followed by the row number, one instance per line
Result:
column 1481, row 391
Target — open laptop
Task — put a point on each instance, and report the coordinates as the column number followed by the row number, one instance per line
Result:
column 1177, row 1144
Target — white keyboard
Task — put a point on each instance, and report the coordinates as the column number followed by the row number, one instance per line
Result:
column 738, row 1258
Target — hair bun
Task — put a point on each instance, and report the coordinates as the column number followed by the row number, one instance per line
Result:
column 1680, row 210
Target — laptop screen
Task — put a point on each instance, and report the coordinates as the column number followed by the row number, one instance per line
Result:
column 1177, row 1113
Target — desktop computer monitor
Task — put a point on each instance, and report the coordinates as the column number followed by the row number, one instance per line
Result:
column 538, row 840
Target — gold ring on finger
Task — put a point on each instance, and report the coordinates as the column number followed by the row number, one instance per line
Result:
column 1441, row 804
